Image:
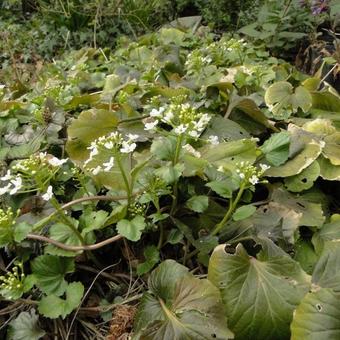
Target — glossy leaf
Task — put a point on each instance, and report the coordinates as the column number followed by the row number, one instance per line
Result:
column 259, row 294
column 180, row 306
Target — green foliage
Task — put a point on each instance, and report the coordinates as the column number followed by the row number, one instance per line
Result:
column 178, row 306
column 280, row 24
column 62, row 307
column 166, row 147
column 25, row 326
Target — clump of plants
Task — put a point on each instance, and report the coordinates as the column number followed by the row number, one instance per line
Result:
column 195, row 175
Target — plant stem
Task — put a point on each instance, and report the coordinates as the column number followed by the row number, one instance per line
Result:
column 66, row 220
column 161, row 236
column 178, row 149
column 47, row 219
column 232, row 206
column 174, row 162
column 125, row 179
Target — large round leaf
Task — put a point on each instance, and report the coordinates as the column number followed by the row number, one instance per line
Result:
column 317, row 317
column 328, row 170
column 304, row 180
column 179, row 306
column 87, row 127
column 259, row 294
column 283, row 99
column 299, row 162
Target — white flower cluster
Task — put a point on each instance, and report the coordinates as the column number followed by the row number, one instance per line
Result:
column 13, row 183
column 42, row 165
column 112, row 143
column 183, row 118
column 38, row 161
column 248, row 173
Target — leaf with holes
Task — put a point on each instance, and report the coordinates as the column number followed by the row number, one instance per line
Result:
column 304, row 180
column 259, row 294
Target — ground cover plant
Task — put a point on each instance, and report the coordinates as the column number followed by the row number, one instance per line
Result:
column 184, row 185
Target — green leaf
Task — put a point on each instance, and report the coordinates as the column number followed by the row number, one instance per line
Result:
column 164, row 148
column 175, row 236
column 50, row 271
column 299, row 162
column 25, row 327
column 63, row 233
column 151, row 254
column 169, row 173
column 276, row 221
column 259, row 294
column 231, row 153
column 243, row 212
column 305, row 255
column 328, row 171
column 223, row 188
column 249, row 107
column 329, row 231
column 326, row 273
column 312, row 213
column 132, row 229
column 198, row 203
column 21, row 230
column 332, row 148
column 180, row 306
column 171, row 35
column 304, row 180
column 86, row 128
column 224, row 129
column 276, row 148
column 52, row 306
column 283, row 99
column 94, row 220
column 317, row 317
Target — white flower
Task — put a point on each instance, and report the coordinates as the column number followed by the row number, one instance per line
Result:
column 48, row 195
column 128, row 147
column 132, row 137
column 108, row 145
column 7, row 177
column 220, row 168
column 109, row 165
column 17, row 183
column 54, row 161
column 253, row 180
column 180, row 129
column 5, row 189
column 157, row 113
column 191, row 150
column 193, row 133
column 96, row 170
column 241, row 175
column 94, row 151
column 42, row 155
column 168, row 116
column 213, row 140
column 150, row 126
column 264, row 167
